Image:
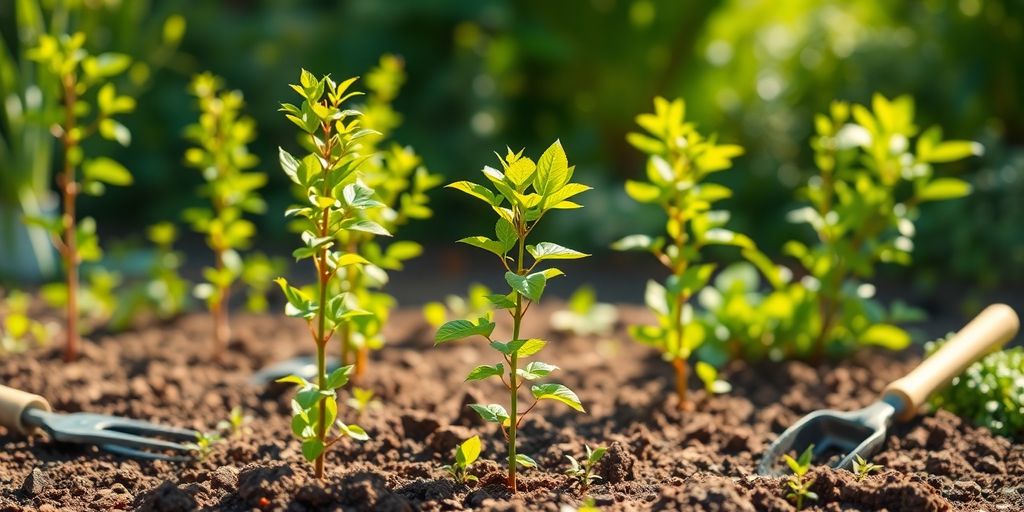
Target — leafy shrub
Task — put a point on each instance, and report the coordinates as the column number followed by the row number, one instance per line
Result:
column 989, row 393
column 875, row 169
column 530, row 190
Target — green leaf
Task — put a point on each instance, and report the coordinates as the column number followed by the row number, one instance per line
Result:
column 113, row 130
column 458, row 329
column 531, row 286
column 468, row 452
column 108, row 171
column 354, row 431
column 485, row 371
column 493, row 413
column 482, row 242
column 944, row 188
column 507, row 348
column 312, row 448
column 952, row 150
column 552, row 170
column 289, row 165
column 520, row 172
column 550, row 251
column 478, row 191
column 338, row 377
column 634, row 243
column 364, row 225
column 536, row 370
column 294, row 379
column 886, row 335
column 557, row 392
column 525, row 461
column 299, row 304
column 642, row 192
column 531, row 347
column 506, row 234
column 501, row 301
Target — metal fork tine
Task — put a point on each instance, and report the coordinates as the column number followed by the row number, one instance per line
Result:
column 145, row 428
column 132, row 440
column 141, row 454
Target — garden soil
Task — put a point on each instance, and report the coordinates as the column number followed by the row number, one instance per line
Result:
column 658, row 458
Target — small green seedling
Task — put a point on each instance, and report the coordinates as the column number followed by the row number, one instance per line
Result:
column 362, row 400
column 18, row 331
column 526, row 193
column 474, row 305
column 465, row 455
column 334, row 199
column 82, row 78
column 799, row 485
column 708, row 374
column 679, row 164
column 585, row 316
column 583, row 471
column 237, row 422
column 863, row 468
column 221, row 154
column 204, row 444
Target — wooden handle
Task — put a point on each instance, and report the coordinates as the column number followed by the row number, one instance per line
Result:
column 13, row 403
column 989, row 331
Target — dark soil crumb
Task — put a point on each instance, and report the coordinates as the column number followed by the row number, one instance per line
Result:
column 658, row 458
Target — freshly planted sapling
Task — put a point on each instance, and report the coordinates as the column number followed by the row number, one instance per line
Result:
column 465, row 455
column 680, row 161
column 221, row 154
column 863, row 468
column 237, row 422
column 523, row 193
column 329, row 175
column 583, row 471
column 89, row 103
column 798, row 483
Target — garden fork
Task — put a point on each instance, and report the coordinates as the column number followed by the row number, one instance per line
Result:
column 846, row 435
column 24, row 413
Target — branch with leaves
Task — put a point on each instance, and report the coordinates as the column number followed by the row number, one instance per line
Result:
column 523, row 193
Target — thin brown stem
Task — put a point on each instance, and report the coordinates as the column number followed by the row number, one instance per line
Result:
column 69, row 190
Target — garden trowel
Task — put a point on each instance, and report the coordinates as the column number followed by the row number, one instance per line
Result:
column 838, row 437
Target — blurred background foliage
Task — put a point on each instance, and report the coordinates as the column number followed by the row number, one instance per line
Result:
column 490, row 73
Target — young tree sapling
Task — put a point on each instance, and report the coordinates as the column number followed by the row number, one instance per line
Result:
column 526, row 192
column 332, row 136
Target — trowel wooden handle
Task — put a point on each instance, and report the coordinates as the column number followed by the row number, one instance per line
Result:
column 989, row 331
column 13, row 403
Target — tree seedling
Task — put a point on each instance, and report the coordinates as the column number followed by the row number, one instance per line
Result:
column 82, row 78
column 863, row 468
column 585, row 316
column 679, row 162
column 465, row 455
column 221, row 154
column 583, row 471
column 335, row 196
column 237, row 422
column 204, row 444
column 361, row 400
column 525, row 193
column 798, row 483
